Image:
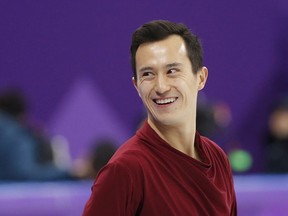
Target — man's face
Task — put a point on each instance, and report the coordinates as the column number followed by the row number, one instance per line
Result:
column 166, row 83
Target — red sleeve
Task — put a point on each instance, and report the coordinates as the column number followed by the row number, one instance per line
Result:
column 113, row 193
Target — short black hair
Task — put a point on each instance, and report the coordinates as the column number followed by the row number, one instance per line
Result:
column 161, row 29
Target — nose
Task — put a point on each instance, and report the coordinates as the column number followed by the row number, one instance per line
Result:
column 161, row 84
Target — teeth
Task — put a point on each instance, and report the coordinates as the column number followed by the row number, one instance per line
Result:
column 165, row 101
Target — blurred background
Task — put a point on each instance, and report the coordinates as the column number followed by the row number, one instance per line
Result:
column 66, row 91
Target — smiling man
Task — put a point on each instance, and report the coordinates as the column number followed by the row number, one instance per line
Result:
column 167, row 167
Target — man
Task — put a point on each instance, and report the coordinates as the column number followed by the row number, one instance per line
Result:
column 167, row 167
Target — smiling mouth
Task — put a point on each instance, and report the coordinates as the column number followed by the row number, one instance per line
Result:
column 165, row 101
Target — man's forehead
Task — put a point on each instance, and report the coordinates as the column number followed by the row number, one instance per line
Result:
column 168, row 51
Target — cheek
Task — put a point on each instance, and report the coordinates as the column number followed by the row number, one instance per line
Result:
column 144, row 89
column 185, row 86
column 192, row 85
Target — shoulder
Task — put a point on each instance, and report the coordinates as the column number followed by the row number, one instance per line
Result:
column 123, row 171
column 214, row 149
column 126, row 161
column 130, row 152
column 211, row 144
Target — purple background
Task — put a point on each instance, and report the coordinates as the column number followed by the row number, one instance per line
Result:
column 71, row 58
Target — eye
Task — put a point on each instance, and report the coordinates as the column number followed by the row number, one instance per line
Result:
column 172, row 71
column 148, row 73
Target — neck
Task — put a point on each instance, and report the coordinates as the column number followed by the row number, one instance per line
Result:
column 181, row 137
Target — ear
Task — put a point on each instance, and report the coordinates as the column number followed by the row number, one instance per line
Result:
column 203, row 75
column 135, row 85
column 134, row 82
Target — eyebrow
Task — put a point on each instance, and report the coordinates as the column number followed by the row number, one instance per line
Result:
column 145, row 69
column 175, row 64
